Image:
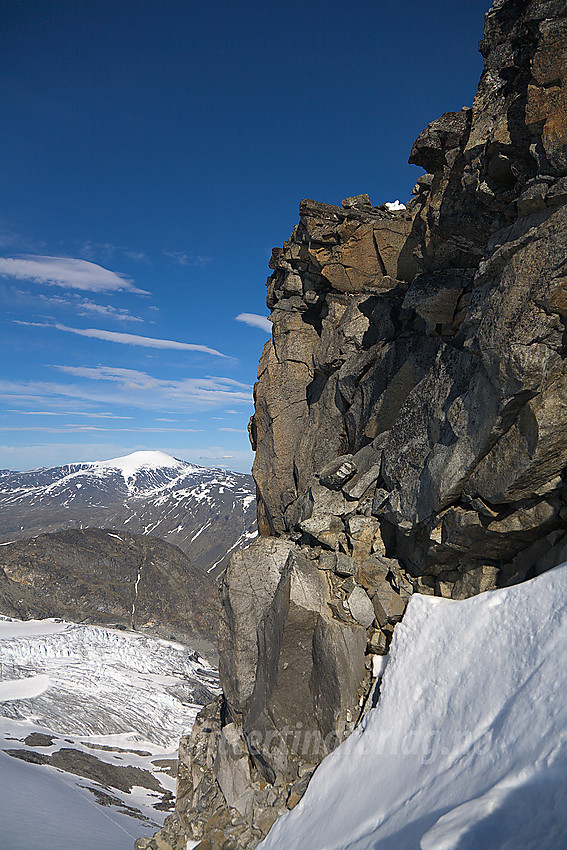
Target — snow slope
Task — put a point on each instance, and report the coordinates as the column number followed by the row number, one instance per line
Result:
column 130, row 465
column 467, row 747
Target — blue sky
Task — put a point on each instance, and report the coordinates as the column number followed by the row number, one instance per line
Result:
column 152, row 155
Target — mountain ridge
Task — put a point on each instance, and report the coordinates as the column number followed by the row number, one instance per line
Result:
column 110, row 578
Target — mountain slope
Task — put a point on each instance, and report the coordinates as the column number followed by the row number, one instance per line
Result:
column 110, row 578
column 206, row 512
column 467, row 746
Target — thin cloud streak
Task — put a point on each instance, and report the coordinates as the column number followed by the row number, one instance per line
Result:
column 134, row 339
column 183, row 259
column 68, row 413
column 129, row 388
column 127, row 339
column 79, row 429
column 255, row 321
column 87, row 307
column 67, row 272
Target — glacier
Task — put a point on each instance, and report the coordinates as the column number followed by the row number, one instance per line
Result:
column 99, row 696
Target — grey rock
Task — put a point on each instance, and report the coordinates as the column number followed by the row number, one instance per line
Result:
column 335, row 474
column 343, row 565
column 359, row 484
column 442, row 135
column 388, row 605
column 247, row 591
column 232, row 769
column 378, row 642
column 361, row 607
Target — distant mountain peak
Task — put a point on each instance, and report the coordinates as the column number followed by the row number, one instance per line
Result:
column 130, row 465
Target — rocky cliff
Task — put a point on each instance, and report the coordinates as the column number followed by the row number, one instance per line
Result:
column 410, row 429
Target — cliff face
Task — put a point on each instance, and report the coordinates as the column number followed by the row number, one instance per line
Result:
column 410, row 428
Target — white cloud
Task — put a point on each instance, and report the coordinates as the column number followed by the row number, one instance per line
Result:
column 134, row 339
column 234, row 430
column 67, row 272
column 126, row 339
column 87, row 307
column 40, row 302
column 255, row 321
column 79, row 429
column 70, row 413
column 108, row 385
column 48, row 454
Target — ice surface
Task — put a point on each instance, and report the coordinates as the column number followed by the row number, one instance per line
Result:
column 467, row 747
column 16, row 689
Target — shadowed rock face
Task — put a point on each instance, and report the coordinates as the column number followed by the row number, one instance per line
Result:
column 410, row 424
column 110, row 578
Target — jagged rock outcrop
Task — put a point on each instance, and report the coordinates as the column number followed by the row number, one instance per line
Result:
column 410, row 426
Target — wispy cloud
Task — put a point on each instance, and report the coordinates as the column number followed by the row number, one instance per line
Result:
column 234, row 430
column 183, row 259
column 69, row 413
column 15, row 298
column 88, row 307
column 67, row 272
column 79, row 429
column 127, row 388
column 126, row 339
column 107, row 252
column 255, row 321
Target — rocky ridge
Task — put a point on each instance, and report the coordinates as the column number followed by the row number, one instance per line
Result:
column 410, row 430
column 110, row 578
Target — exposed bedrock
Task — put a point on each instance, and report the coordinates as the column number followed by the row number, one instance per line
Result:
column 410, row 427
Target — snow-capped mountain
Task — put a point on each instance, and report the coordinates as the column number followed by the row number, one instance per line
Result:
column 206, row 512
